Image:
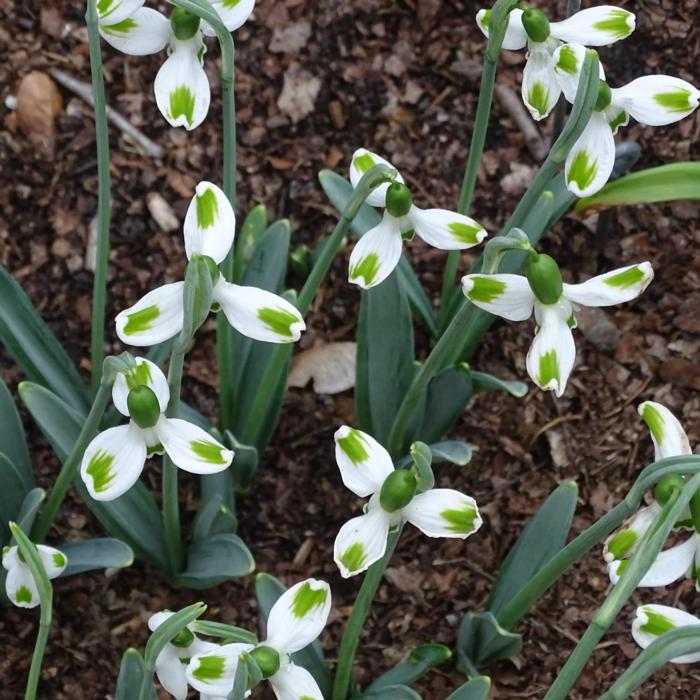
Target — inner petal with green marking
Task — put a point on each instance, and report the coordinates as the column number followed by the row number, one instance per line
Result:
column 354, row 557
column 278, row 320
column 182, row 103
column 100, row 470
column 307, row 598
column 59, row 559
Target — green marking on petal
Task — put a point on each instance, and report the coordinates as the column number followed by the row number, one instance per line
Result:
column 567, row 63
column 120, row 28
column 211, row 668
column 486, row 289
column 653, row 418
column 622, row 566
column 465, row 233
column 353, row 558
column 59, row 560
column 485, row 19
column 354, row 444
column 625, row 279
column 278, row 320
column 141, row 321
column 676, row 100
column 583, row 170
column 367, row 268
column 460, row 520
column 156, row 449
column 656, row 624
column 182, row 103
column 104, row 8
column 364, row 162
column 100, row 470
column 620, row 120
column 23, row 595
column 208, row 451
column 549, row 369
column 538, row 98
column 207, row 209
column 622, row 543
column 230, row 4
column 306, row 599
column 138, row 375
column 616, row 24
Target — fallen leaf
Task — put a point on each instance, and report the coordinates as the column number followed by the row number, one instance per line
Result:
column 331, row 366
column 299, row 93
column 162, row 212
column 38, row 104
column 290, row 38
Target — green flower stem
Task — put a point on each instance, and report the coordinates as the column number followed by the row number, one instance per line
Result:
column 447, row 349
column 360, row 611
column 104, row 199
column 649, row 548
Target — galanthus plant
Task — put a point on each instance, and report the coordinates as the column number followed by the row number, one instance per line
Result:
column 20, row 586
column 652, row 621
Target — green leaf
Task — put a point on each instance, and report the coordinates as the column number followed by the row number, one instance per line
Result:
column 34, row 347
column 667, row 183
column 213, row 518
column 169, row 629
column 420, row 661
column 230, row 633
column 240, row 683
column 455, row 451
column 422, row 459
column 481, row 641
column 487, row 382
column 544, row 535
column 13, row 443
column 12, row 493
column 392, row 692
column 253, row 228
column 244, row 465
column 268, row 589
column 476, row 689
column 132, row 671
column 215, row 560
column 29, row 509
column 103, row 553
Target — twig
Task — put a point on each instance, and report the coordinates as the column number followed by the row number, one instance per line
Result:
column 514, row 106
column 84, row 91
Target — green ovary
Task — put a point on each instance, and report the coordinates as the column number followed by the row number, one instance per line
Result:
column 211, row 668
column 208, row 451
column 538, row 98
column 354, row 446
column 182, row 104
column 308, row 598
column 616, row 24
column 460, row 521
column 279, row 321
column 583, row 170
column 207, row 209
column 364, row 162
column 100, row 470
column 622, row 543
column 353, row 557
column 656, row 624
column 549, row 369
column 677, row 100
column 465, row 233
column 625, row 279
column 486, row 289
column 367, row 269
column 141, row 321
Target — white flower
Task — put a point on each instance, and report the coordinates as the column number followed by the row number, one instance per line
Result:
column 654, row 100
column 552, row 354
column 295, row 620
column 652, row 621
column 209, row 230
column 19, row 584
column 181, row 86
column 377, row 253
column 595, row 26
column 367, row 470
column 114, row 460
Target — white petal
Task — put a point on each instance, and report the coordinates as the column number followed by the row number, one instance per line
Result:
column 516, row 36
column 363, row 462
column 214, row 673
column 144, row 33
column 595, row 26
column 299, row 616
column 615, row 287
column 591, row 160
column 567, row 62
column 445, row 229
column 20, row 586
column 657, row 100
column 171, row 672
column 666, row 431
column 210, row 223
column 182, row 87
column 376, row 254
column 540, row 89
column 145, row 373
column 259, row 314
column 113, row 462
column 507, row 296
column 362, row 161
column 53, row 560
column 651, row 621
column 623, row 543
column 294, row 682
column 191, row 448
column 444, row 513
column 157, row 619
column 233, row 14
column 552, row 353
column 154, row 318
column 617, row 116
column 362, row 540
column 115, row 11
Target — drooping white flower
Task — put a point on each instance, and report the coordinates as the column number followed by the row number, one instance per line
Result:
column 181, row 86
column 595, row 26
column 652, row 621
column 209, row 231
column 295, row 621
column 367, row 470
column 654, row 100
column 19, row 584
column 114, row 459
column 514, row 297
column 377, row 253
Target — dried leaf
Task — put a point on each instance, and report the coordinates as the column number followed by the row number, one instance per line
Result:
column 331, row 366
column 38, row 104
column 299, row 92
column 162, row 212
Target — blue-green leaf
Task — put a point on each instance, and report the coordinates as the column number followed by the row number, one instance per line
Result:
column 392, row 692
column 103, row 553
column 213, row 518
column 253, row 227
column 481, row 381
column 29, row 509
column 13, row 444
column 476, row 689
column 12, row 493
column 132, row 671
column 455, row 451
column 420, row 661
column 168, row 629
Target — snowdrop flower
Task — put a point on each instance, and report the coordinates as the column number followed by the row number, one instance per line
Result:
column 652, row 621
column 209, row 231
column 367, row 470
column 181, row 86
column 19, row 584
column 595, row 26
column 552, row 353
column 296, row 619
column 377, row 253
column 114, row 460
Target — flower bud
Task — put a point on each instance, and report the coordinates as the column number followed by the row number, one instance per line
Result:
column 666, row 486
column 544, row 277
column 267, row 659
column 604, row 96
column 398, row 490
column 184, row 24
column 398, row 199
column 536, row 24
column 183, row 639
column 143, row 406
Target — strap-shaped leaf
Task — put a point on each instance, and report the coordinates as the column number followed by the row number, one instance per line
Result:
column 244, row 465
column 254, row 225
column 481, row 641
column 392, row 692
column 34, row 347
column 240, row 682
column 13, row 443
column 476, row 689
column 229, row 633
column 102, row 553
column 423, row 459
column 420, row 661
column 481, row 381
column 213, row 518
column 169, row 629
column 12, row 493
column 132, row 672
column 29, row 508
column 454, row 451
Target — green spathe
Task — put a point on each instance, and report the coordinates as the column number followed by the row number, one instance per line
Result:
column 306, row 598
column 143, row 406
column 354, row 444
column 182, row 104
column 398, row 490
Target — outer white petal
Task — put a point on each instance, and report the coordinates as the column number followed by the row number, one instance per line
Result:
column 363, row 462
column 214, row 673
column 567, row 62
column 657, row 100
column 259, row 314
column 234, row 14
column 552, row 354
column 54, row 561
column 145, row 373
column 156, row 317
column 540, row 88
column 624, row 542
column 210, row 223
column 591, row 160
column 191, row 448
column 144, row 33
column 595, row 26
column 444, row 513
column 653, row 620
column 362, row 161
column 182, row 87
column 508, row 296
column 294, row 682
column 445, row 229
column 615, row 287
column 299, row 616
column 19, row 583
column 362, row 540
column 171, row 672
column 115, row 11
column 666, row 431
column 376, row 254
column 113, row 462
column 516, row 36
